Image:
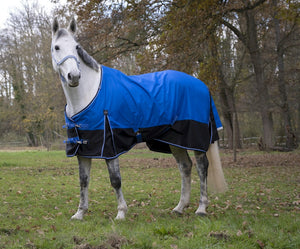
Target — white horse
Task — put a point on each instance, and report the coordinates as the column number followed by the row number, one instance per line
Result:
column 81, row 75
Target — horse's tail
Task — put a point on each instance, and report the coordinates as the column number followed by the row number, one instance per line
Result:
column 215, row 178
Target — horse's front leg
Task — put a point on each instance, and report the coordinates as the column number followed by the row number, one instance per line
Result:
column 115, row 180
column 84, row 178
column 202, row 167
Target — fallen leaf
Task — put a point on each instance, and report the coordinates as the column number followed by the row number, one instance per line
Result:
column 40, row 232
column 47, row 218
column 239, row 206
column 30, row 244
column 190, row 235
column 53, row 228
column 219, row 235
column 260, row 244
column 77, row 240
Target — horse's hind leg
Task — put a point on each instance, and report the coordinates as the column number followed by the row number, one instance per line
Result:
column 115, row 180
column 185, row 167
column 84, row 177
column 202, row 167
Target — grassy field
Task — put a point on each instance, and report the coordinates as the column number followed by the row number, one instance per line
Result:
column 39, row 192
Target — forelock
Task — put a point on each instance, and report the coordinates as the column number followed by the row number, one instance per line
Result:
column 61, row 33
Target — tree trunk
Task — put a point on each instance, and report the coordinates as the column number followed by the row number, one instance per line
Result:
column 228, row 109
column 227, row 100
column 31, row 139
column 298, row 120
column 261, row 86
column 250, row 39
column 291, row 141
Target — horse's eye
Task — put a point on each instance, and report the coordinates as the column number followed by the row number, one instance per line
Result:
column 56, row 47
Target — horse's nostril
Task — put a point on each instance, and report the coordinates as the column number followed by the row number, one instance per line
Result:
column 69, row 76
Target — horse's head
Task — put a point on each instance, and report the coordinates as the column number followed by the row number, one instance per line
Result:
column 64, row 52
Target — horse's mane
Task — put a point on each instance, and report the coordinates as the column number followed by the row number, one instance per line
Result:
column 87, row 59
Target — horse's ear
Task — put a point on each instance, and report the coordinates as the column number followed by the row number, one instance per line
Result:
column 72, row 26
column 55, row 26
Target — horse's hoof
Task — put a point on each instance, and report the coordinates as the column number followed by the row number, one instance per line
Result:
column 201, row 211
column 176, row 211
column 201, row 214
column 78, row 215
column 120, row 216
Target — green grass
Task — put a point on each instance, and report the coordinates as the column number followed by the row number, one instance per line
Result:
column 39, row 192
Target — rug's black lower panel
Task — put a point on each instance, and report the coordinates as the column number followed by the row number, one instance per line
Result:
column 110, row 143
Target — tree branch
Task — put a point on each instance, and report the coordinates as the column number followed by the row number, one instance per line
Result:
column 236, row 31
column 128, row 41
column 285, row 38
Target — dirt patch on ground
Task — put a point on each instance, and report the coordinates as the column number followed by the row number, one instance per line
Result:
column 290, row 159
column 244, row 159
column 22, row 148
column 114, row 241
column 146, row 163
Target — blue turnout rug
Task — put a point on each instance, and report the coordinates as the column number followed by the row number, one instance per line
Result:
column 161, row 108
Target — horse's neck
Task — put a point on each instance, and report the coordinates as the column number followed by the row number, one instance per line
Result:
column 79, row 97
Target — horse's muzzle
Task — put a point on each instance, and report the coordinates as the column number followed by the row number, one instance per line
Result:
column 73, row 84
column 73, row 79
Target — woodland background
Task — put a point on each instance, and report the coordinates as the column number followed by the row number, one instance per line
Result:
column 246, row 51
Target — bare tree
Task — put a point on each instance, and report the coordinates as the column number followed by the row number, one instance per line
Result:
column 27, row 75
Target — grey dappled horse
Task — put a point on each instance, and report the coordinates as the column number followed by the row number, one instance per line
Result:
column 81, row 78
